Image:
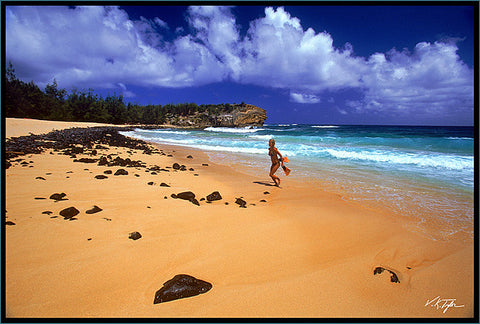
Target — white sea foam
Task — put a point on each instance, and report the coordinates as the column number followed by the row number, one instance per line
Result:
column 261, row 137
column 232, row 130
column 437, row 161
column 460, row 138
column 325, row 126
column 162, row 131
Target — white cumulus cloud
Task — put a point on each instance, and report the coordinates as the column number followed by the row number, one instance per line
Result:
column 304, row 98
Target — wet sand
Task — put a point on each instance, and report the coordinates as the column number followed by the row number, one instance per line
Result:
column 303, row 252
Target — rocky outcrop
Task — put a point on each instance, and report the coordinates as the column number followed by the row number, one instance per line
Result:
column 241, row 115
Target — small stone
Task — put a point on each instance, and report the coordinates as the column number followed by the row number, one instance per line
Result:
column 214, row 196
column 204, row 164
column 241, row 202
column 266, row 193
column 121, row 172
column 134, row 236
column 163, row 184
column 9, row 223
column 47, row 212
column 176, row 166
column 58, row 196
column 69, row 212
column 108, row 172
column 101, row 176
column 40, row 178
column 93, row 210
column 189, row 157
column 263, row 200
column 151, row 183
column 186, row 195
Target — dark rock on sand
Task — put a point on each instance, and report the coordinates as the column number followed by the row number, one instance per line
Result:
column 266, row 193
column 176, row 166
column 214, row 196
column 93, row 210
column 204, row 164
column 186, row 195
column 263, row 200
column 58, row 196
column 103, row 161
column 101, row 176
column 40, row 198
column 86, row 160
column 134, row 236
column 47, row 212
column 181, row 286
column 189, row 157
column 183, row 168
column 163, row 184
column 9, row 223
column 69, row 212
column 241, row 202
column 77, row 150
column 40, row 178
column 108, row 172
column 393, row 277
column 121, row 172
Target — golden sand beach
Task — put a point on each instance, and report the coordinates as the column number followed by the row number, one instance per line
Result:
column 297, row 251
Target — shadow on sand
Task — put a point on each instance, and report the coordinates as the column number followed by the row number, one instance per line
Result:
column 268, row 184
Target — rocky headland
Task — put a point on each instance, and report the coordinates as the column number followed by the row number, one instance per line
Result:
column 242, row 115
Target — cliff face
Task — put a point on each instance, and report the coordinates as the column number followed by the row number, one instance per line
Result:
column 241, row 116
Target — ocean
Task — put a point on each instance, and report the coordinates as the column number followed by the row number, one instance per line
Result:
column 423, row 175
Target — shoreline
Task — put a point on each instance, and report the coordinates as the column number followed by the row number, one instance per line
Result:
column 304, row 252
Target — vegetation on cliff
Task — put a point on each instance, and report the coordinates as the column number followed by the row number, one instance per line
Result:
column 27, row 100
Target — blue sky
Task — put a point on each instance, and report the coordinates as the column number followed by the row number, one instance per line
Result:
column 344, row 64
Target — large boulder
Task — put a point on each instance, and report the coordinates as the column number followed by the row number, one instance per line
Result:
column 181, row 286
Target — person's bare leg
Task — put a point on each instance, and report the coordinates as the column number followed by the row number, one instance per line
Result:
column 273, row 169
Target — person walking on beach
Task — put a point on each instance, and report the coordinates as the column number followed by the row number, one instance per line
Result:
column 274, row 153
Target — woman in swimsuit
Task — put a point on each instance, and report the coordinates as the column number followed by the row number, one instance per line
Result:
column 274, row 153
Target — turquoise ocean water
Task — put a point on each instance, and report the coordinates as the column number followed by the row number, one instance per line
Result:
column 423, row 175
